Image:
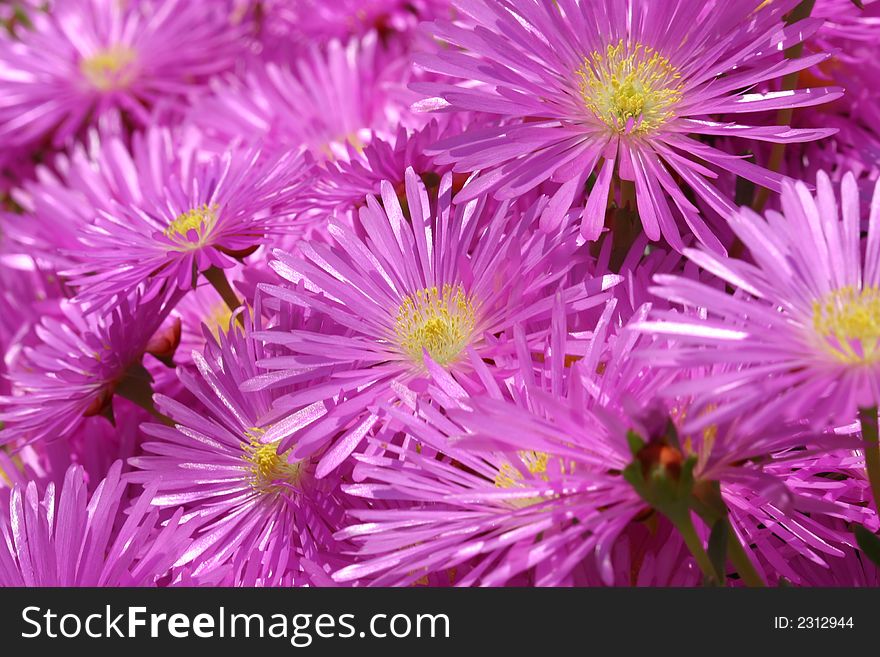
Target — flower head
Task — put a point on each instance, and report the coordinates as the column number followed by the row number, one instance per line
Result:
column 88, row 58
column 78, row 365
column 346, row 182
column 802, row 335
column 190, row 214
column 266, row 519
column 72, row 539
column 431, row 289
column 325, row 100
column 617, row 94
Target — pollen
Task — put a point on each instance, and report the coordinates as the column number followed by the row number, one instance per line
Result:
column 848, row 322
column 438, row 321
column 110, row 69
column 632, row 88
column 218, row 319
column 270, row 473
column 201, row 220
column 510, row 476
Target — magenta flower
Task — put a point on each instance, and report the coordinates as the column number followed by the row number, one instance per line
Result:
column 80, row 362
column 850, row 33
column 69, row 194
column 323, row 100
column 622, row 90
column 73, row 539
column 346, row 182
column 797, row 522
column 802, row 336
column 191, row 213
column 499, row 485
column 87, row 58
column 431, row 289
column 495, row 487
column 320, row 21
column 264, row 518
column 490, row 515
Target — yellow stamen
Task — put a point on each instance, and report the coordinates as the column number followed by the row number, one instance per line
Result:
column 509, row 476
column 440, row 322
column 330, row 148
column 848, row 323
column 110, row 69
column 632, row 88
column 201, row 220
column 703, row 450
column 219, row 319
column 270, row 472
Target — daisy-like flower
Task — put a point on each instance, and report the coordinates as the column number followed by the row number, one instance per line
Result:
column 802, row 335
column 191, row 214
column 79, row 364
column 69, row 538
column 87, row 58
column 67, row 194
column 264, row 517
column 518, row 479
column 315, row 20
column 620, row 89
column 533, row 482
column 346, row 182
column 850, row 32
column 323, row 100
column 799, row 519
column 420, row 291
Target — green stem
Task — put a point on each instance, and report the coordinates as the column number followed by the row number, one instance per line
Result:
column 740, row 559
column 789, row 82
column 217, row 277
column 868, row 420
column 685, row 527
column 137, row 387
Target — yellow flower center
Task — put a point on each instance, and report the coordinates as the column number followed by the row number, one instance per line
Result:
column 353, row 139
column 439, row 321
column 632, row 88
column 219, row 319
column 270, row 472
column 201, row 220
column 110, row 69
column 848, row 321
column 510, row 476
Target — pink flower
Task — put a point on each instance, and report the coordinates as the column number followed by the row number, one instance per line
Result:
column 72, row 539
column 87, row 58
column 323, row 100
column 435, row 288
column 802, row 335
column 187, row 213
column 264, row 519
column 78, row 365
column 622, row 90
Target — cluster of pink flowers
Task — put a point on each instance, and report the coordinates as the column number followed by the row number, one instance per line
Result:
column 439, row 292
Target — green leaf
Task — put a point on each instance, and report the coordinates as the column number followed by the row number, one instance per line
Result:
column 635, row 442
column 859, row 4
column 869, row 544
